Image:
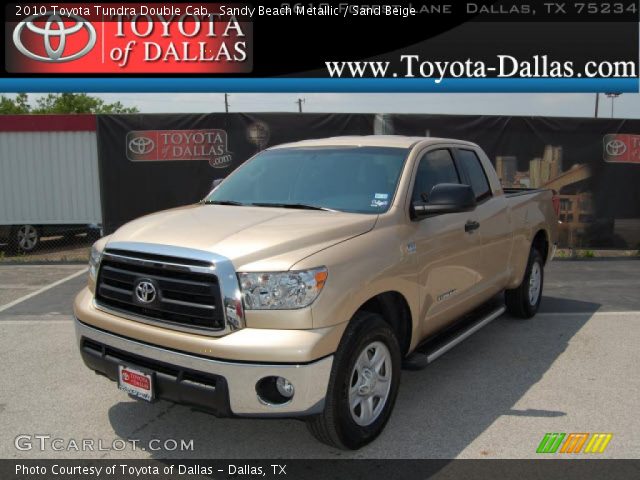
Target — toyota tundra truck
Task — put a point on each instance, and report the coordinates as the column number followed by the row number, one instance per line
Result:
column 305, row 281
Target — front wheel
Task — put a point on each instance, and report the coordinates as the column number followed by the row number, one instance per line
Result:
column 363, row 385
column 524, row 300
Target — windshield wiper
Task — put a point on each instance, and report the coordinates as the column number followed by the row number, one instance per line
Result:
column 224, row 202
column 299, row 206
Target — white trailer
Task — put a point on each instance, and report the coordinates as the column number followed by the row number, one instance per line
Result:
column 49, row 179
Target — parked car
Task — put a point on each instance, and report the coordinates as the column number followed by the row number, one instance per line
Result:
column 26, row 238
column 302, row 283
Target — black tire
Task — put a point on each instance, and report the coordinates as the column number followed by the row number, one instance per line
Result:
column 336, row 426
column 519, row 302
column 17, row 242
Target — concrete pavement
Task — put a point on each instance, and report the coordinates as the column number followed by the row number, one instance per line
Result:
column 572, row 368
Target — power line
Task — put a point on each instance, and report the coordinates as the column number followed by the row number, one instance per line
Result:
column 300, row 101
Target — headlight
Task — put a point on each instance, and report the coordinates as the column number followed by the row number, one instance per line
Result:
column 281, row 290
column 94, row 262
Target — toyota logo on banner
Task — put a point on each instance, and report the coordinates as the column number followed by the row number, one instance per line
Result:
column 141, row 145
column 208, row 144
column 621, row 148
column 55, row 28
column 615, row 147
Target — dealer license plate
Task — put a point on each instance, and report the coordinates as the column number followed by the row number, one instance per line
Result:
column 136, row 382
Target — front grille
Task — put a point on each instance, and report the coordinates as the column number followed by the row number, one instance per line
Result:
column 182, row 297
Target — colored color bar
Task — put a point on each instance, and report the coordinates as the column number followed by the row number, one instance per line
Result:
column 543, row 443
column 574, row 442
column 598, row 443
column 606, row 441
column 550, row 443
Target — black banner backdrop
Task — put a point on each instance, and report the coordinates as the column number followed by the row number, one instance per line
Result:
column 153, row 162
column 593, row 164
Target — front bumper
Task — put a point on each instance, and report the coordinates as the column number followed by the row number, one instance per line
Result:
column 222, row 387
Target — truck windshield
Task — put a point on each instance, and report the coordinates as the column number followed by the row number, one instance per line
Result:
column 348, row 179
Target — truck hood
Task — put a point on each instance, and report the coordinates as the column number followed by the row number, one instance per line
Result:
column 254, row 238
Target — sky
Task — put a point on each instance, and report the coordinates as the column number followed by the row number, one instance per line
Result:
column 546, row 104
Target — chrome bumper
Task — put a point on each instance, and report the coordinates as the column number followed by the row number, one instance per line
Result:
column 310, row 380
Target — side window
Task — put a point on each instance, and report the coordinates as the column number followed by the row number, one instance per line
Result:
column 435, row 167
column 471, row 163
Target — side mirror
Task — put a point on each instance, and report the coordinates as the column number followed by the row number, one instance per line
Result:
column 216, row 183
column 445, row 198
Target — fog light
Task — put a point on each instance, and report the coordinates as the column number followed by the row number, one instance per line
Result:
column 274, row 390
column 285, row 387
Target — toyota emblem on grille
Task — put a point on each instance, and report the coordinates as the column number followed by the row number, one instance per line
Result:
column 145, row 291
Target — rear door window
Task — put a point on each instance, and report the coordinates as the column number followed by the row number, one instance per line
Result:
column 475, row 173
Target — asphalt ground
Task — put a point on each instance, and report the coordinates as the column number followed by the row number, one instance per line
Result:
column 572, row 368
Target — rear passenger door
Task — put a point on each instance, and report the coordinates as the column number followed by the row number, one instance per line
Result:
column 492, row 219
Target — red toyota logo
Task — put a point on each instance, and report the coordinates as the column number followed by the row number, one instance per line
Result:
column 54, row 27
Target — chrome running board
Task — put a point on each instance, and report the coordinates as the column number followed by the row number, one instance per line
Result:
column 464, row 334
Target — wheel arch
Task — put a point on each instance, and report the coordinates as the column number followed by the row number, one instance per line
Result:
column 394, row 308
column 541, row 243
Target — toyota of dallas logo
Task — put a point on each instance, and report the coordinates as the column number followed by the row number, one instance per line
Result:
column 141, row 145
column 54, row 27
column 621, row 148
column 615, row 147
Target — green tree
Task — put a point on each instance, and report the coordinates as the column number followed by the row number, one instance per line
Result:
column 15, row 106
column 61, row 103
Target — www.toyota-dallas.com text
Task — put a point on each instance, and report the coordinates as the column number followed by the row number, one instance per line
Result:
column 505, row 66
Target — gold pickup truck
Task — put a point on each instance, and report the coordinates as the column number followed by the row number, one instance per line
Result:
column 304, row 282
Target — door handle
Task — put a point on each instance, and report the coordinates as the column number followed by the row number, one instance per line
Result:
column 471, row 225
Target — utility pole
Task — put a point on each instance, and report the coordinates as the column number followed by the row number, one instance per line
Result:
column 226, row 102
column 613, row 97
column 597, row 102
column 300, row 101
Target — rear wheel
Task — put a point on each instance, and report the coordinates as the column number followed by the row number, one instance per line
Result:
column 524, row 301
column 363, row 385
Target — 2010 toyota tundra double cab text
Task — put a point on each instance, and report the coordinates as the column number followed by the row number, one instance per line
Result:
column 301, row 283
